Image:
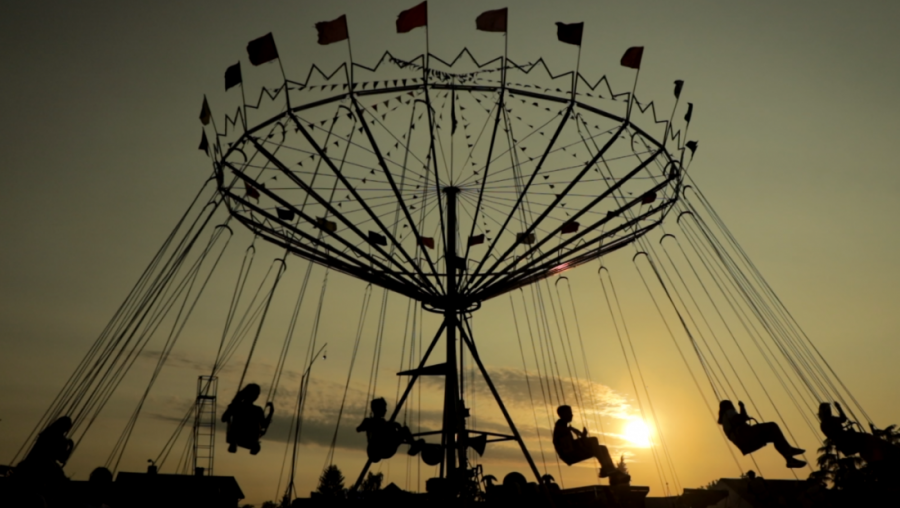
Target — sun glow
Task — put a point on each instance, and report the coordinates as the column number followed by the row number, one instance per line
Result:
column 637, row 433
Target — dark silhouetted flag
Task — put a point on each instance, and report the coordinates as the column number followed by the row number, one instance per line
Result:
column 569, row 227
column 648, row 198
column 326, row 224
column 690, row 113
column 491, row 21
column 285, row 214
column 205, row 113
column 204, row 144
column 523, row 238
column 678, row 84
column 333, row 31
column 424, row 241
column 570, row 34
column 692, row 145
column 377, row 239
column 250, row 192
column 262, row 50
column 453, row 113
column 233, row 76
column 632, row 57
column 476, row 240
column 412, row 18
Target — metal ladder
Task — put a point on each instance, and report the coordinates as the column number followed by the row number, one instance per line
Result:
column 205, row 425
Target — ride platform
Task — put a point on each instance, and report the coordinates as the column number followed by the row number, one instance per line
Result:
column 597, row 496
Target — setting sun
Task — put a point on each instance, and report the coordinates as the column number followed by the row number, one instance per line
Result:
column 637, row 433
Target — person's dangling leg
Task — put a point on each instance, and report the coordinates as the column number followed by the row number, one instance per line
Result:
column 771, row 433
column 599, row 452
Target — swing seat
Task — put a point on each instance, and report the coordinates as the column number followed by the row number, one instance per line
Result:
column 747, row 440
column 384, row 441
column 432, row 454
column 245, row 428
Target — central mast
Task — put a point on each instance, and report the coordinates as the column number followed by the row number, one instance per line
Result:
column 451, row 383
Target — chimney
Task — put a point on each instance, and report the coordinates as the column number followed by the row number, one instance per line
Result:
column 198, row 471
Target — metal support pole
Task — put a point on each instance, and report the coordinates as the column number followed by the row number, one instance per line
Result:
column 451, row 381
column 512, row 426
column 402, row 400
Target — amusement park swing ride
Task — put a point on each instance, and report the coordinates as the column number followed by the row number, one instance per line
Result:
column 449, row 182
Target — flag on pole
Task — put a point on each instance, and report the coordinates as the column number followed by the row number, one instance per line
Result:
column 690, row 113
column 262, row 50
column 491, row 21
column 285, row 214
column 426, row 242
column 412, row 18
column 569, row 33
column 476, row 240
column 233, row 76
column 326, row 224
column 648, row 198
column 569, row 227
column 205, row 113
column 523, row 238
column 333, row 31
column 692, row 145
column 632, row 57
column 204, row 143
column 678, row 84
column 377, row 239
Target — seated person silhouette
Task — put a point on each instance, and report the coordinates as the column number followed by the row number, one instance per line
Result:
column 42, row 469
column 839, row 429
column 384, row 437
column 247, row 423
column 750, row 438
column 50, row 452
column 572, row 450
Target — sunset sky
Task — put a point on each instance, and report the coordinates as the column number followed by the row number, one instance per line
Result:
column 795, row 108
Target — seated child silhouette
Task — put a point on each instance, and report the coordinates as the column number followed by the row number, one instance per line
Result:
column 247, row 423
column 49, row 453
column 750, row 438
column 384, row 437
column 849, row 441
column 576, row 449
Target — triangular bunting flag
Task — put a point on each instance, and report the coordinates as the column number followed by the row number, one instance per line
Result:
column 204, row 144
column 205, row 114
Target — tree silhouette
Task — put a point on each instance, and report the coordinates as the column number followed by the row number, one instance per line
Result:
column 891, row 434
column 841, row 472
column 372, row 482
column 331, row 483
column 621, row 465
